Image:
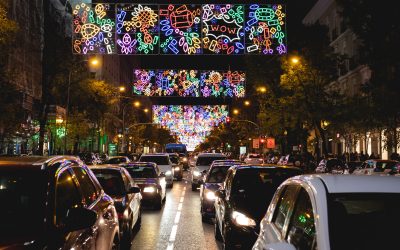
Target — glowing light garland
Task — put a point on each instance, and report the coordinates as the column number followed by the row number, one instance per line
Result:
column 175, row 29
column 94, row 29
column 191, row 124
column 189, row 83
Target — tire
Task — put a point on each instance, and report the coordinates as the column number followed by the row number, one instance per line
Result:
column 139, row 221
column 194, row 187
column 126, row 240
column 217, row 232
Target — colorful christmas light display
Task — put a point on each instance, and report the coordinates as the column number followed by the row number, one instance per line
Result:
column 180, row 29
column 189, row 83
column 176, row 29
column 94, row 29
column 265, row 32
column 137, row 29
column 223, row 29
column 191, row 124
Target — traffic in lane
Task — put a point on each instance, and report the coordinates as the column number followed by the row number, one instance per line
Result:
column 178, row 224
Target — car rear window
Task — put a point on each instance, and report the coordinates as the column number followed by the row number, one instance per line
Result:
column 116, row 160
column 159, row 160
column 254, row 156
column 353, row 216
column 207, row 160
column 110, row 180
column 142, row 172
column 218, row 174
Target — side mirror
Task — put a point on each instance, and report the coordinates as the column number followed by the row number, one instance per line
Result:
column 220, row 193
column 79, row 218
column 133, row 190
column 162, row 174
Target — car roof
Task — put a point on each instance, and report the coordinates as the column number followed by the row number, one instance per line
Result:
column 117, row 156
column 155, row 154
column 353, row 183
column 259, row 166
column 105, row 166
column 39, row 162
column 211, row 154
column 139, row 163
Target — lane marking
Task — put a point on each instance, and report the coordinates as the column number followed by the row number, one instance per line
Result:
column 183, row 193
column 177, row 217
column 180, row 206
column 170, row 246
column 184, row 188
column 182, row 198
column 173, row 233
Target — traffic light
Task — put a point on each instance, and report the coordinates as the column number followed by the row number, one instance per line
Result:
column 228, row 119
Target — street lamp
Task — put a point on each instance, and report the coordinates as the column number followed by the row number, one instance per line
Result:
column 136, row 104
column 122, row 89
column 235, row 111
column 146, row 110
column 294, row 60
column 247, row 103
column 262, row 89
column 92, row 61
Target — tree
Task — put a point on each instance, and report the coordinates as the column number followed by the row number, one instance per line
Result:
column 380, row 52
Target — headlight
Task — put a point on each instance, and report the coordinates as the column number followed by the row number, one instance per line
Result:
column 210, row 195
column 196, row 173
column 177, row 168
column 149, row 190
column 242, row 220
column 185, row 159
column 168, row 173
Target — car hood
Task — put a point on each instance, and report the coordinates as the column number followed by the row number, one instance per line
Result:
column 212, row 186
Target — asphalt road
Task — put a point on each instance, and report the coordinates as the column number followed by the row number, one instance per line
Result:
column 177, row 225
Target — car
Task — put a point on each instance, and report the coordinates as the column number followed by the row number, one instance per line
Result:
column 203, row 162
column 332, row 165
column 286, row 160
column 117, row 159
column 89, row 158
column 180, row 149
column 212, row 181
column 377, row 167
column 332, row 212
column 353, row 165
column 243, row 199
column 185, row 161
column 151, row 181
column 163, row 163
column 178, row 166
column 254, row 159
column 117, row 183
column 54, row 203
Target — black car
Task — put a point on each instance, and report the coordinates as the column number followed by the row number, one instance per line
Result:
column 243, row 200
column 54, row 203
column 178, row 166
column 150, row 180
column 117, row 182
column 212, row 181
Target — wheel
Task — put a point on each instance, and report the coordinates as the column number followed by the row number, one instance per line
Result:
column 127, row 237
column 194, row 187
column 217, row 232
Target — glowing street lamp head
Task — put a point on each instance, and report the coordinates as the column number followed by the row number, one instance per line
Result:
column 235, row 111
column 146, row 110
column 136, row 104
column 59, row 120
column 247, row 103
column 294, row 60
column 122, row 89
column 262, row 89
column 94, row 62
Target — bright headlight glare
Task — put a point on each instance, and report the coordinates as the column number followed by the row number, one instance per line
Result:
column 185, row 159
column 242, row 220
column 177, row 168
column 196, row 173
column 210, row 195
column 149, row 189
column 168, row 173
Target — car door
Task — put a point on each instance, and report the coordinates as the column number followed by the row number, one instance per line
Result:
column 222, row 203
column 68, row 195
column 133, row 198
column 106, row 228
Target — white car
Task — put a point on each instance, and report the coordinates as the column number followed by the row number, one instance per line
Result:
column 378, row 167
column 332, row 212
column 254, row 159
column 203, row 162
column 164, row 164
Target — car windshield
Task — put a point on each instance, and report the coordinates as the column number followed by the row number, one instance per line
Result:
column 157, row 159
column 115, row 160
column 174, row 159
column 207, row 160
column 385, row 164
column 217, row 174
column 22, row 193
column 110, row 180
column 352, row 217
column 142, row 171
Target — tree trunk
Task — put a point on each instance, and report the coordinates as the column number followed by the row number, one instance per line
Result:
column 321, row 134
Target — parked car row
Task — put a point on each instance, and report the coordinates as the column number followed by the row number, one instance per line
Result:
column 368, row 167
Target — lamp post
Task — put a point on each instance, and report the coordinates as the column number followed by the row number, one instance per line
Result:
column 94, row 62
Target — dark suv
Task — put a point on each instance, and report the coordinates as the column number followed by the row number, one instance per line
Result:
column 53, row 203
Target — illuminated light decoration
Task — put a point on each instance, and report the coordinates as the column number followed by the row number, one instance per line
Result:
column 180, row 29
column 189, row 83
column 137, row 29
column 265, row 29
column 93, row 29
column 191, row 124
column 223, row 31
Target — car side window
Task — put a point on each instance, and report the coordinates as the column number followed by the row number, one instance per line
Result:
column 302, row 227
column 284, row 206
column 228, row 183
column 67, row 196
column 127, row 181
column 85, row 182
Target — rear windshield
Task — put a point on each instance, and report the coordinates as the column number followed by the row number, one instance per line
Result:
column 142, row 172
column 217, row 174
column 254, row 156
column 110, row 180
column 174, row 159
column 207, row 160
column 352, row 217
column 159, row 160
column 116, row 160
